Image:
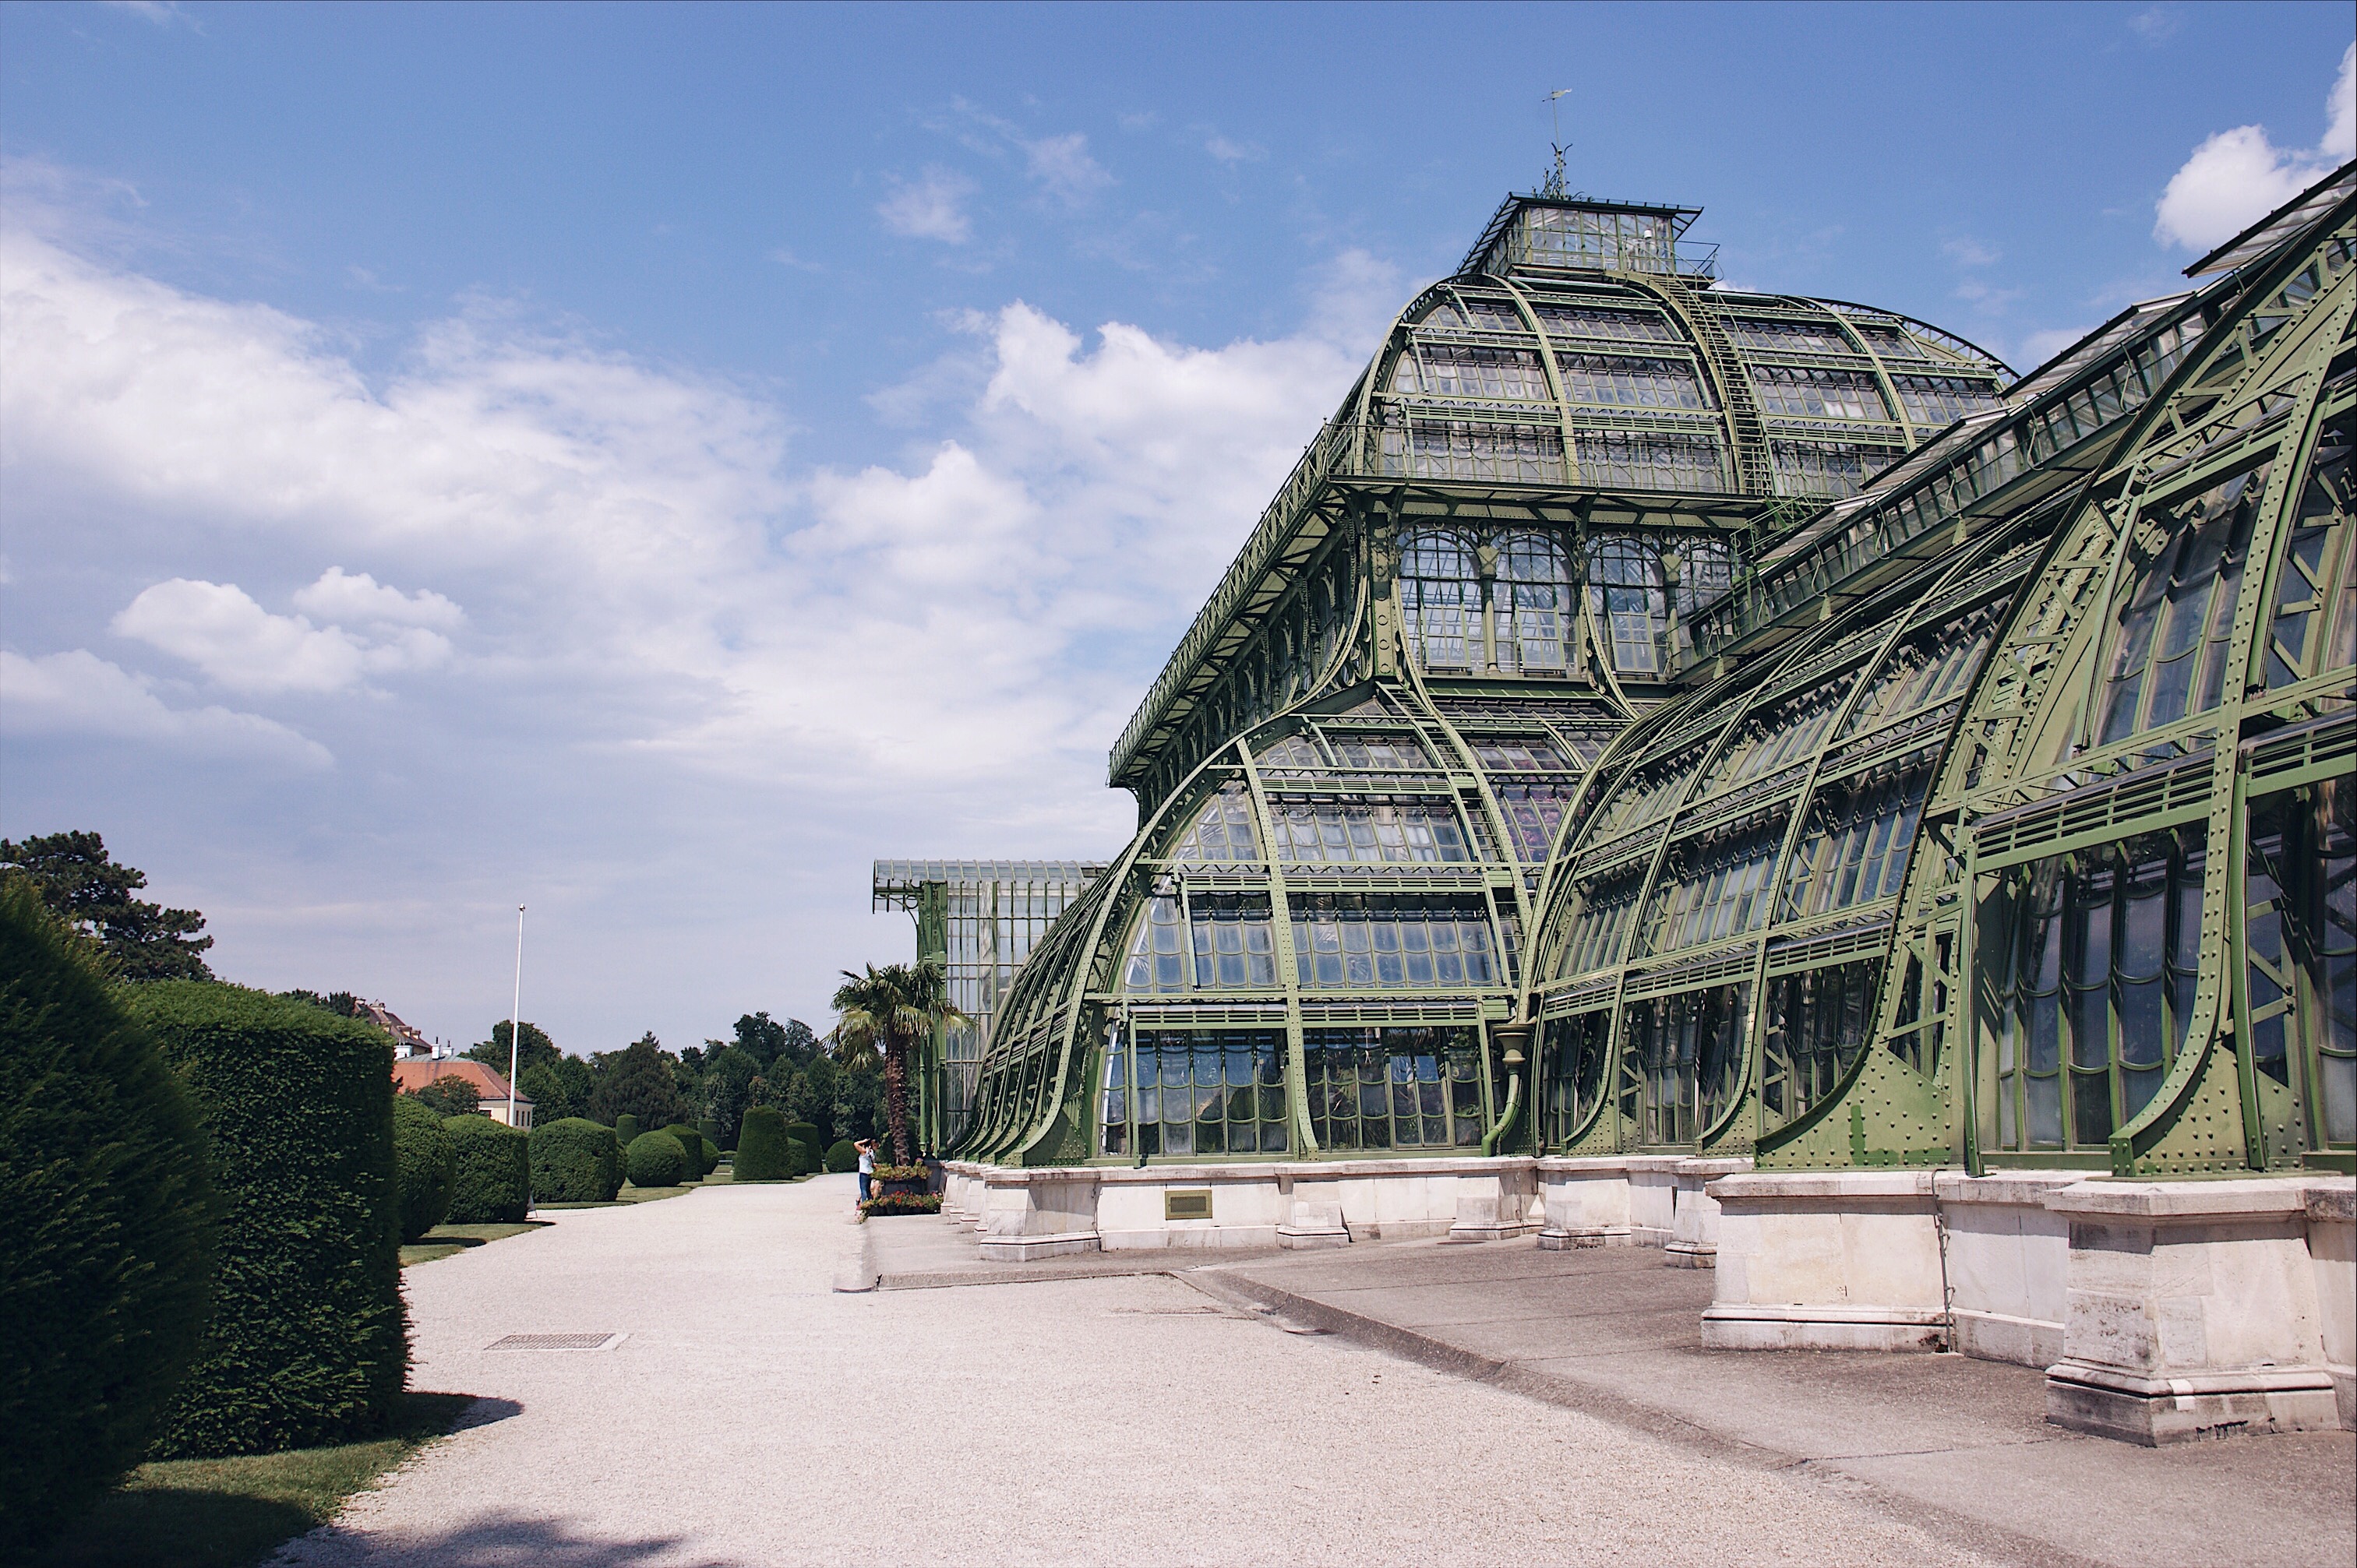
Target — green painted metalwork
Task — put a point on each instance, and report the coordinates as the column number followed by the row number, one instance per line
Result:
column 1354, row 768
column 1582, row 687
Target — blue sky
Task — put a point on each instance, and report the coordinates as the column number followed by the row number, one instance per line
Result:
column 646, row 462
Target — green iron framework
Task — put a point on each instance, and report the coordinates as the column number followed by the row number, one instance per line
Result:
column 1653, row 717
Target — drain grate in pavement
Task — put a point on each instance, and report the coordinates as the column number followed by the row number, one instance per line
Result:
column 555, row 1342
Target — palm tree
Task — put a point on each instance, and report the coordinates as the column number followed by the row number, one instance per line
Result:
column 885, row 1011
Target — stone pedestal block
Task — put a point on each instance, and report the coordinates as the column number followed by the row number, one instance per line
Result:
column 2333, row 1248
column 2192, row 1311
column 1587, row 1203
column 1826, row 1261
column 1694, row 1216
column 1493, row 1205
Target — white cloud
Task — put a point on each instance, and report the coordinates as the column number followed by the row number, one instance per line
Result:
column 361, row 600
column 79, row 694
column 2237, row 177
column 1062, row 164
column 703, row 681
column 1967, row 251
column 1229, row 152
column 933, row 208
column 2157, row 24
column 218, row 627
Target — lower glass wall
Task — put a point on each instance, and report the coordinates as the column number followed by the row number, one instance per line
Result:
column 2301, row 954
column 1682, row 1062
column 1395, row 1088
column 1818, row 1021
column 1575, row 1049
column 2095, row 954
column 1198, row 1092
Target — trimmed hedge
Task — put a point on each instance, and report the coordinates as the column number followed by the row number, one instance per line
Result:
column 425, row 1164
column 106, row 1230
column 711, row 1130
column 493, row 1185
column 805, row 1157
column 702, row 1157
column 575, row 1160
column 626, row 1128
column 656, row 1159
column 804, row 1133
column 308, row 1342
column 843, row 1156
column 763, row 1151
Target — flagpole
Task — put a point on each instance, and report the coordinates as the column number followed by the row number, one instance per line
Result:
column 515, row 1040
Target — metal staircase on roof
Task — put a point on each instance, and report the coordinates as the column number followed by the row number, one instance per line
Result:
column 1754, row 475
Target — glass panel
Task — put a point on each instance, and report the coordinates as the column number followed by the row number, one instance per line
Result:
column 1393, row 1088
column 2167, row 651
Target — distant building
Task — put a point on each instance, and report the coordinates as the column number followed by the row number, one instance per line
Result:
column 407, row 1041
column 980, row 918
column 411, row 1073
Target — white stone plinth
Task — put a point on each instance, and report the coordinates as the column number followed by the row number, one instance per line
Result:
column 2192, row 1311
column 1826, row 1261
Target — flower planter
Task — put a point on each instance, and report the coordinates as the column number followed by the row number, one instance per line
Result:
column 885, row 1205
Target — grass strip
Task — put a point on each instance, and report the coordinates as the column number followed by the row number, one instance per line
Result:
column 231, row 1513
column 445, row 1239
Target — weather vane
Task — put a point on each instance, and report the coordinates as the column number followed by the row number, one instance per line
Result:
column 1554, row 186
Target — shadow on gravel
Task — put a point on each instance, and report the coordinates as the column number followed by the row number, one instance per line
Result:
column 484, row 1412
column 501, row 1540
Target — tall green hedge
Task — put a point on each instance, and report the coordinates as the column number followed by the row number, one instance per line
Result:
column 764, row 1153
column 803, row 1133
column 702, row 1157
column 493, row 1183
column 626, row 1128
column 655, row 1159
column 843, row 1156
column 106, row 1230
column 424, row 1164
column 308, row 1342
column 806, row 1159
column 575, row 1160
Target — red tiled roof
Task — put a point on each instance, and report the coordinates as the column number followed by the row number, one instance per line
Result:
column 413, row 1073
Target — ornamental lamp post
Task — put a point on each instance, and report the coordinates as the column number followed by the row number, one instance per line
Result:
column 515, row 1052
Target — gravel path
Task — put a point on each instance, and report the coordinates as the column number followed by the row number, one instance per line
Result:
column 755, row 1417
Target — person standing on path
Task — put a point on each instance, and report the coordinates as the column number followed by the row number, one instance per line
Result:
column 867, row 1147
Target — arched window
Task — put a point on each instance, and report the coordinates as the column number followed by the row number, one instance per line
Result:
column 1533, row 604
column 2169, row 646
column 1441, row 596
column 1624, row 592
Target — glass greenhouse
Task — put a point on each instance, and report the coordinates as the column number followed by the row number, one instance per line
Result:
column 1656, row 718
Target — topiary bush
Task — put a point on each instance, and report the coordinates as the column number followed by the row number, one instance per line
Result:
column 308, row 1342
column 803, row 1132
column 805, row 1157
column 763, row 1151
column 424, row 1163
column 574, row 1161
column 702, row 1157
column 626, row 1128
column 843, row 1156
column 710, row 1129
column 655, row 1159
column 106, row 1228
column 494, row 1182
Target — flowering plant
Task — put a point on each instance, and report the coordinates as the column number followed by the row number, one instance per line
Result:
column 903, row 1203
column 902, row 1172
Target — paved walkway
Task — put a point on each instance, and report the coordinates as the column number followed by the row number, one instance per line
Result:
column 753, row 1416
column 1959, row 1446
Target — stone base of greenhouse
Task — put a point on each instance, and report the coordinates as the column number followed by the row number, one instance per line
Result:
column 2162, row 1311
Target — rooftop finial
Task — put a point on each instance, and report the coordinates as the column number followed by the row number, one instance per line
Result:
column 1554, row 185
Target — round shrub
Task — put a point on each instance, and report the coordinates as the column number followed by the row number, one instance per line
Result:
column 423, row 1163
column 308, row 1342
column 106, row 1230
column 574, row 1161
column 843, row 1156
column 656, row 1160
column 626, row 1128
column 494, row 1183
column 763, row 1151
